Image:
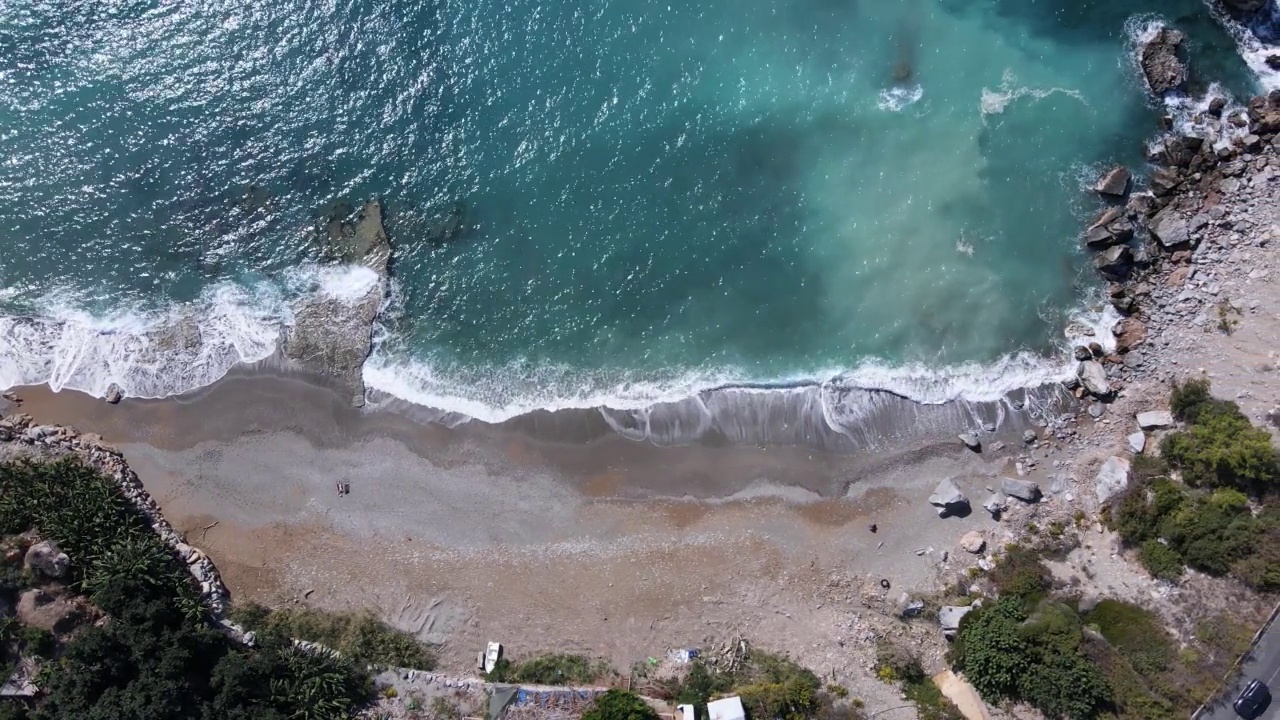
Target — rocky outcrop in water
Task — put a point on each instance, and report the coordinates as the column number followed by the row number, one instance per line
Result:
column 1161, row 66
column 333, row 335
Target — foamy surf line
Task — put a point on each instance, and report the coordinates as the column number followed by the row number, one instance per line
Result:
column 496, row 395
column 155, row 353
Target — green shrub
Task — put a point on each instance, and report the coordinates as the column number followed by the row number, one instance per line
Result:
column 550, row 669
column 1220, row 448
column 1136, row 633
column 36, row 641
column 620, row 705
column 1190, row 398
column 1038, row 659
column 360, row 636
column 1160, row 561
column 701, row 684
column 1020, row 573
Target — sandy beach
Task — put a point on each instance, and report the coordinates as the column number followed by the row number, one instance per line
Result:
column 612, row 547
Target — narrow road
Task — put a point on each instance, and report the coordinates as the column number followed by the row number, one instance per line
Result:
column 1262, row 664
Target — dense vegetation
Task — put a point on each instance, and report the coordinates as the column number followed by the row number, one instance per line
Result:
column 1206, row 522
column 771, row 687
column 359, row 636
column 1219, row 448
column 156, row 658
column 551, row 669
column 620, row 705
column 1115, row 659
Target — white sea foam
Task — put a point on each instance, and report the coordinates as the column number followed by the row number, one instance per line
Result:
column 147, row 352
column 994, row 102
column 499, row 394
column 1255, row 41
column 896, row 99
column 157, row 352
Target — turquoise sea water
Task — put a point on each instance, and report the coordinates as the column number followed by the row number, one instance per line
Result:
column 659, row 197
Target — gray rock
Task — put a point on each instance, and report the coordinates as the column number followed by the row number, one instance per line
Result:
column 47, row 558
column 1155, row 419
column 948, row 498
column 1022, row 489
column 1097, row 410
column 1137, row 442
column 996, row 504
column 909, row 608
column 973, row 542
column 1160, row 63
column 114, row 394
column 1169, row 227
column 1028, row 436
column 949, row 617
column 970, row 441
column 1115, row 182
column 1114, row 262
column 1112, row 478
column 1094, row 378
column 332, row 335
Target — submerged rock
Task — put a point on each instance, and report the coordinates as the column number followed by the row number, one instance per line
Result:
column 1114, row 183
column 332, row 335
column 1161, row 66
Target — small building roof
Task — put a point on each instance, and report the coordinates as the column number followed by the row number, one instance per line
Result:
column 729, row 708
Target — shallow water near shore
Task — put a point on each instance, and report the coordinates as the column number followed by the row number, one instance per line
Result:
column 643, row 201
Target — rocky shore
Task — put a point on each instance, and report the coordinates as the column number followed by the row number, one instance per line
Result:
column 333, row 336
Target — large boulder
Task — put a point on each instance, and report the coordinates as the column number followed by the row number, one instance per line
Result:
column 1093, row 377
column 47, row 559
column 1161, row 66
column 1115, row 262
column 41, row 609
column 948, row 498
column 1025, row 490
column 1112, row 478
column 332, row 334
column 970, row 441
column 996, row 504
column 973, row 542
column 1130, row 333
column 1110, row 228
column 1137, row 442
column 1170, row 228
column 1155, row 419
column 949, row 617
column 1115, row 182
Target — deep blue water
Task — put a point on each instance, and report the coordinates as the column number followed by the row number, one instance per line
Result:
column 658, row 197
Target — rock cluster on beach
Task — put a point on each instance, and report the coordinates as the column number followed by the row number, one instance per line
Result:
column 334, row 335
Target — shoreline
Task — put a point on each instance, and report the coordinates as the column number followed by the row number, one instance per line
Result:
column 573, row 531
